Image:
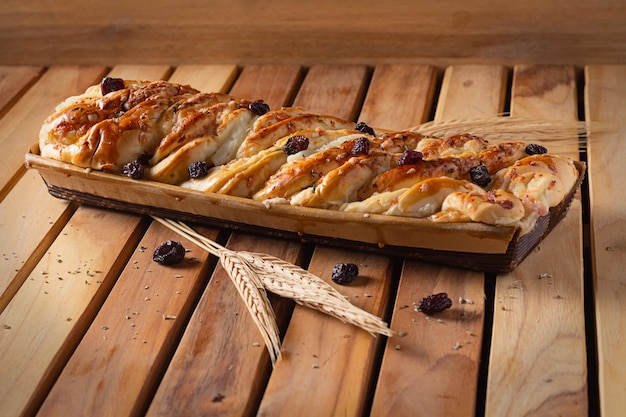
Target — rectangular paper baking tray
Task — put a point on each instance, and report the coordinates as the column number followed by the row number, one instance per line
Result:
column 467, row 245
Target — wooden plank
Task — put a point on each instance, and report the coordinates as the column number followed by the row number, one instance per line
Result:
column 46, row 318
column 341, row 96
column 19, row 128
column 39, row 369
column 538, row 356
column 399, row 96
column 133, row 335
column 605, row 102
column 140, row 72
column 218, row 78
column 335, row 363
column 276, row 85
column 547, row 92
column 433, row 358
column 227, row 343
column 316, row 347
column 221, row 364
column 310, row 33
column 478, row 92
column 108, row 361
column 15, row 80
column 27, row 233
column 438, row 358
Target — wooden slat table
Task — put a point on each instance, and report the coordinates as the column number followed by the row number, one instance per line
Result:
column 91, row 326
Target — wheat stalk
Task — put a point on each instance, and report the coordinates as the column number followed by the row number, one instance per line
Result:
column 514, row 128
column 283, row 279
column 253, row 293
column 249, row 286
column 290, row 281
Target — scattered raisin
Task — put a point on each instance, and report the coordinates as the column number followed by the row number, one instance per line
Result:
column 535, row 149
column 296, row 144
column 410, row 157
column 198, row 169
column 258, row 107
column 480, row 175
column 434, row 303
column 363, row 127
column 344, row 273
column 169, row 253
column 110, row 84
column 361, row 147
column 134, row 169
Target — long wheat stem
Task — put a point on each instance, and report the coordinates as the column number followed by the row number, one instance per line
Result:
column 249, row 270
column 247, row 283
column 505, row 127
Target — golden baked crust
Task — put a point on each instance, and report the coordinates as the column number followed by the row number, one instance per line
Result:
column 105, row 131
column 289, row 155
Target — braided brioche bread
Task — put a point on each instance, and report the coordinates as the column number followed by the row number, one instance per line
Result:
column 217, row 143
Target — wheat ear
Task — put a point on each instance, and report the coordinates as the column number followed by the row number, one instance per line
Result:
column 248, row 284
column 291, row 281
column 514, row 128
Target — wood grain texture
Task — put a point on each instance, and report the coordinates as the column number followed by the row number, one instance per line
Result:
column 45, row 32
column 13, row 80
column 230, row 340
column 19, row 128
column 471, row 91
column 140, row 72
column 112, row 362
column 337, row 90
column 451, row 350
column 53, row 351
column 27, row 234
column 318, row 346
column 217, row 78
column 221, row 360
column 547, row 92
column 538, row 363
column 220, row 366
column 399, row 96
column 327, row 358
column 432, row 363
column 46, row 318
column 131, row 339
column 605, row 101
column 276, row 85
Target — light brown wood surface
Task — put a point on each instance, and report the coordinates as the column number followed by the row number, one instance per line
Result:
column 605, row 102
column 456, row 353
column 146, row 336
column 276, row 85
column 71, row 263
column 46, row 32
column 399, row 96
column 230, row 339
column 316, row 346
column 36, row 232
column 472, row 91
column 70, row 274
column 19, row 129
column 538, row 345
column 13, row 80
column 129, row 341
column 48, row 314
column 333, row 89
